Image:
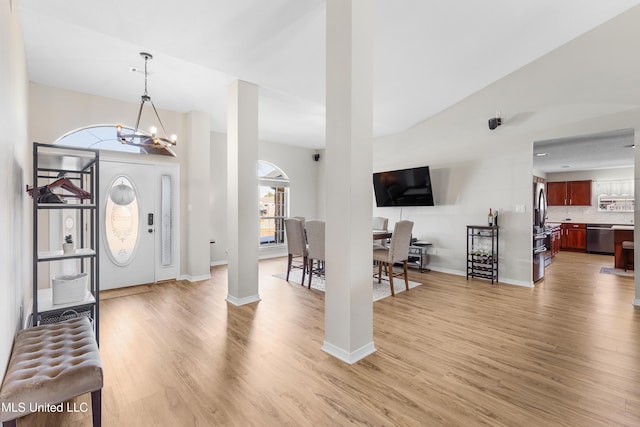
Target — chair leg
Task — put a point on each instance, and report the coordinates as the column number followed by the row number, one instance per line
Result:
column 289, row 266
column 390, row 273
column 310, row 271
column 379, row 271
column 304, row 269
column 96, row 407
column 406, row 279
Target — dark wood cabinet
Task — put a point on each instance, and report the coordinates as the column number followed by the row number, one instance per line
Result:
column 622, row 259
column 579, row 193
column 556, row 193
column 569, row 193
column 574, row 237
column 556, row 240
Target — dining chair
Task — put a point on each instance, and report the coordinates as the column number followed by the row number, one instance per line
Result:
column 315, row 236
column 304, row 226
column 296, row 245
column 380, row 223
column 397, row 252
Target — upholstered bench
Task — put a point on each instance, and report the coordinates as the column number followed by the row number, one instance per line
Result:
column 51, row 364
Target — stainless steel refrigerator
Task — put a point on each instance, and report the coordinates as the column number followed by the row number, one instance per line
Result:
column 539, row 235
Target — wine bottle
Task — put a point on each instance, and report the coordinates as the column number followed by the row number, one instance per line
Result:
column 490, row 218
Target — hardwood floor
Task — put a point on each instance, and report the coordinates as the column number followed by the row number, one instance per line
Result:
column 449, row 352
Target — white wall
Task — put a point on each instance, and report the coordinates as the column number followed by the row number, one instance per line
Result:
column 463, row 193
column 197, row 174
column 296, row 162
column 15, row 283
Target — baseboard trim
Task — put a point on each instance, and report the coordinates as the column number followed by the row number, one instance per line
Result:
column 447, row 270
column 216, row 263
column 347, row 357
column 517, row 283
column 463, row 274
column 190, row 278
column 242, row 301
column 272, row 255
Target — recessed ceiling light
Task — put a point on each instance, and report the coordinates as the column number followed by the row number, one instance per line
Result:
column 541, row 154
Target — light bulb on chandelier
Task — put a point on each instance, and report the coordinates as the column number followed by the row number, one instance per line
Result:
column 152, row 141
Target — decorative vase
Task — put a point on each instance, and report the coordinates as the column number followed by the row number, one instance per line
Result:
column 67, row 248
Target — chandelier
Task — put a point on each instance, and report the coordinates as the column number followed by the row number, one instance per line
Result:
column 148, row 142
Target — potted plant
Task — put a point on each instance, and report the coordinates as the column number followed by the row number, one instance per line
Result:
column 67, row 246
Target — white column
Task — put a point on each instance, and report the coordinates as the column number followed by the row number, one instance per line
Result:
column 242, row 193
column 197, row 215
column 349, row 289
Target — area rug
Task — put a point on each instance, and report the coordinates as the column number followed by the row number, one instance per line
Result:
column 617, row 271
column 380, row 290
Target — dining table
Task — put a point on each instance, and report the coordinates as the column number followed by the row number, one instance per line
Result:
column 381, row 234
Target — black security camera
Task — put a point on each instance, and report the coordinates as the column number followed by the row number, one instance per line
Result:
column 494, row 122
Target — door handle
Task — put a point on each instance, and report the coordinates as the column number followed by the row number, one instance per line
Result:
column 150, row 230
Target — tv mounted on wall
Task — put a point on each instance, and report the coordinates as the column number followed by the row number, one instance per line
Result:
column 405, row 187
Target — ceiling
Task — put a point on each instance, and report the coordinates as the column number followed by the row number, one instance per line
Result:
column 605, row 150
column 428, row 55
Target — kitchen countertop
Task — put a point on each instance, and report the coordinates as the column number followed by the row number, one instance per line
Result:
column 612, row 224
column 622, row 227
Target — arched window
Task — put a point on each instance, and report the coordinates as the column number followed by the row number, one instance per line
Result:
column 274, row 203
column 103, row 137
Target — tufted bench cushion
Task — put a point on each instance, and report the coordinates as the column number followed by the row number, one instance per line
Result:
column 50, row 364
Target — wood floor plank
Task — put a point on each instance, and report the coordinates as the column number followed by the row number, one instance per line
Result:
column 449, row 352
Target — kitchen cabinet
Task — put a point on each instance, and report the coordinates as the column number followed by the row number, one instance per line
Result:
column 620, row 258
column 556, row 240
column 574, row 237
column 569, row 193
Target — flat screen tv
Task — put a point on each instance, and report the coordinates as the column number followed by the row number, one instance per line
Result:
column 405, row 187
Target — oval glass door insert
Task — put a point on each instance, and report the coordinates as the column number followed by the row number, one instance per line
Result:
column 121, row 220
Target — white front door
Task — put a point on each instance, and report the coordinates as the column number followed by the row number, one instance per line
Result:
column 139, row 223
column 127, row 196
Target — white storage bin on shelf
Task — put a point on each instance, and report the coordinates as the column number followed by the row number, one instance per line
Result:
column 69, row 288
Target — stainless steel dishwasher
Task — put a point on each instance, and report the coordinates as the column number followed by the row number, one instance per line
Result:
column 600, row 239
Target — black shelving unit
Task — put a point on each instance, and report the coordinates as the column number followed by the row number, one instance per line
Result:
column 482, row 252
column 52, row 165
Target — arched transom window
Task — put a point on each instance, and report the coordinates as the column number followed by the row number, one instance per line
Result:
column 104, row 137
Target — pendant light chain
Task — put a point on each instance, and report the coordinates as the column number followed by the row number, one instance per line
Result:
column 146, row 59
